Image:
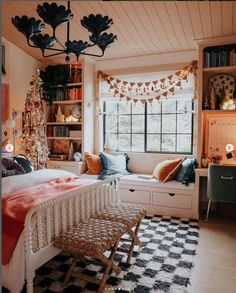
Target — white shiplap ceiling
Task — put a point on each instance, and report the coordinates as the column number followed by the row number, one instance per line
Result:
column 143, row 27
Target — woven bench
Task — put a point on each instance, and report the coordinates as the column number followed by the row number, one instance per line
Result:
column 131, row 216
column 91, row 239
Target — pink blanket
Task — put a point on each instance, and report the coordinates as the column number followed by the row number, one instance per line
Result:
column 16, row 205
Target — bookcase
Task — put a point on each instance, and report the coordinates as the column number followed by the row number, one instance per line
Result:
column 216, row 72
column 70, row 114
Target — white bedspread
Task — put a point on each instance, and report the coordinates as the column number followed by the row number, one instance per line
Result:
column 13, row 274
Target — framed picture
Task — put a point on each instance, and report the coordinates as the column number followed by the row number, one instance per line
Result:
column 5, row 102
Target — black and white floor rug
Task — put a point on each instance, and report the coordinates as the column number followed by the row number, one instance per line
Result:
column 163, row 265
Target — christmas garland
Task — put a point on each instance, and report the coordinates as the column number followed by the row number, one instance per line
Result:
column 151, row 90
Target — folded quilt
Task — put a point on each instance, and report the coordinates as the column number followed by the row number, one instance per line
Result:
column 16, row 205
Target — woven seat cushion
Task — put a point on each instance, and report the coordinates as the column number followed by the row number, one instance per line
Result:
column 128, row 214
column 90, row 238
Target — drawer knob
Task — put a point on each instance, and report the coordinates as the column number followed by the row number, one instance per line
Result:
column 132, row 190
column 172, row 194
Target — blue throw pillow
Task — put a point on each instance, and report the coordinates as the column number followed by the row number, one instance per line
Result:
column 113, row 165
column 187, row 171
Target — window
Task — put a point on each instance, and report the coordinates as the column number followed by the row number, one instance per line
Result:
column 164, row 126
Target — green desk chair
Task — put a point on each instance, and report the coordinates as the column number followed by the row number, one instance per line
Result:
column 221, row 184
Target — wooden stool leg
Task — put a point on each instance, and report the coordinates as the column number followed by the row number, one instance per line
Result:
column 109, row 263
column 71, row 269
column 134, row 235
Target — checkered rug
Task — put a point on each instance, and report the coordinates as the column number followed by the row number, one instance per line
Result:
column 163, row 265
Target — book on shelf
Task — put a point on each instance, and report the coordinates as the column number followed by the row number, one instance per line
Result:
column 58, row 131
column 219, row 58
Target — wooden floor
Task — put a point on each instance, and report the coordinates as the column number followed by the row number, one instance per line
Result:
column 215, row 265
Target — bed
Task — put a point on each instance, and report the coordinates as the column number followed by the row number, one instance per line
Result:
column 45, row 221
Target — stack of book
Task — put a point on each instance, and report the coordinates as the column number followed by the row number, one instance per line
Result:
column 58, row 131
column 74, row 93
column 219, row 58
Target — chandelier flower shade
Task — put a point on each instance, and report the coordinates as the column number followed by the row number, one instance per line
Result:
column 55, row 15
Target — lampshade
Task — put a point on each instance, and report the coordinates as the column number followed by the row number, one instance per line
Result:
column 10, row 123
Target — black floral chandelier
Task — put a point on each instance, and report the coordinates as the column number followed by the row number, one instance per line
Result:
column 55, row 15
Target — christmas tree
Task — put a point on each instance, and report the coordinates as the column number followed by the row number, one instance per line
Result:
column 33, row 140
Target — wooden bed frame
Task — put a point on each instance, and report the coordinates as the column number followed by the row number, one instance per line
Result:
column 47, row 220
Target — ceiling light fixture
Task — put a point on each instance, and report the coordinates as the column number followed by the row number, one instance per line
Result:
column 54, row 15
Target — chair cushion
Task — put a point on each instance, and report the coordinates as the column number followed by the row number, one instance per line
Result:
column 90, row 238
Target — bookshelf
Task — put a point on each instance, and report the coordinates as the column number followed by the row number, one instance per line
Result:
column 217, row 57
column 69, row 116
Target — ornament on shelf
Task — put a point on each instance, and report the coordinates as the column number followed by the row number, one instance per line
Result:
column 212, row 98
column 227, row 103
column 33, row 140
column 71, row 152
column 59, row 116
column 77, row 156
column 206, row 104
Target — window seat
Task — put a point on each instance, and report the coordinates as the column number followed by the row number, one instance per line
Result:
column 168, row 199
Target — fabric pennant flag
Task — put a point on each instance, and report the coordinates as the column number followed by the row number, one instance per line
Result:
column 155, row 82
column 165, row 94
column 116, row 92
column 122, row 95
column 111, row 78
column 147, row 83
column 135, row 100
column 118, row 81
column 172, row 89
column 178, row 73
column 170, row 77
column 178, row 83
column 150, row 101
column 128, row 99
column 143, row 101
column 140, row 84
column 162, row 80
column 157, row 98
column 125, row 82
column 132, row 84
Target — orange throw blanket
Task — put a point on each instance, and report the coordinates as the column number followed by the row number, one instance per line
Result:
column 16, row 205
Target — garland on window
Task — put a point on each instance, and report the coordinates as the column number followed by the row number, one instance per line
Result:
column 151, row 90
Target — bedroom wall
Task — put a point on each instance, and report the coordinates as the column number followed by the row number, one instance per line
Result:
column 19, row 68
column 144, row 162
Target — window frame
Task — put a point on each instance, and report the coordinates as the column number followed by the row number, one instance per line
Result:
column 145, row 114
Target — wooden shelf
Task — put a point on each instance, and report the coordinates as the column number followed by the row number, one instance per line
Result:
column 63, row 123
column 218, row 111
column 67, row 85
column 225, row 69
column 67, row 102
column 67, row 138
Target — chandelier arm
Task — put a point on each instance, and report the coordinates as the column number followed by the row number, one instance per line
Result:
column 94, row 55
column 51, row 55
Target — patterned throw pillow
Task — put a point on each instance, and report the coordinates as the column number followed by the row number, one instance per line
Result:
column 186, row 173
column 93, row 163
column 113, row 165
column 166, row 170
column 11, row 168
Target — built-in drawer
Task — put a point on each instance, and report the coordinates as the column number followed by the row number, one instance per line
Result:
column 172, row 200
column 135, row 195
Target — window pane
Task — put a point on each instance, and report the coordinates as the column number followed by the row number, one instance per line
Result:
column 153, row 142
column 138, row 108
column 184, row 143
column 168, row 143
column 111, row 108
column 169, row 106
column 124, row 108
column 112, row 140
column 169, row 123
column 111, row 124
column 153, row 123
column 154, row 108
column 138, row 124
column 124, row 124
column 138, row 142
column 184, row 105
column 124, row 142
column 184, row 123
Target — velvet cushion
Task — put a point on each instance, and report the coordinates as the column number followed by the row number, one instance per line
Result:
column 113, row 165
column 166, row 170
column 11, row 168
column 93, row 164
column 24, row 162
column 186, row 173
